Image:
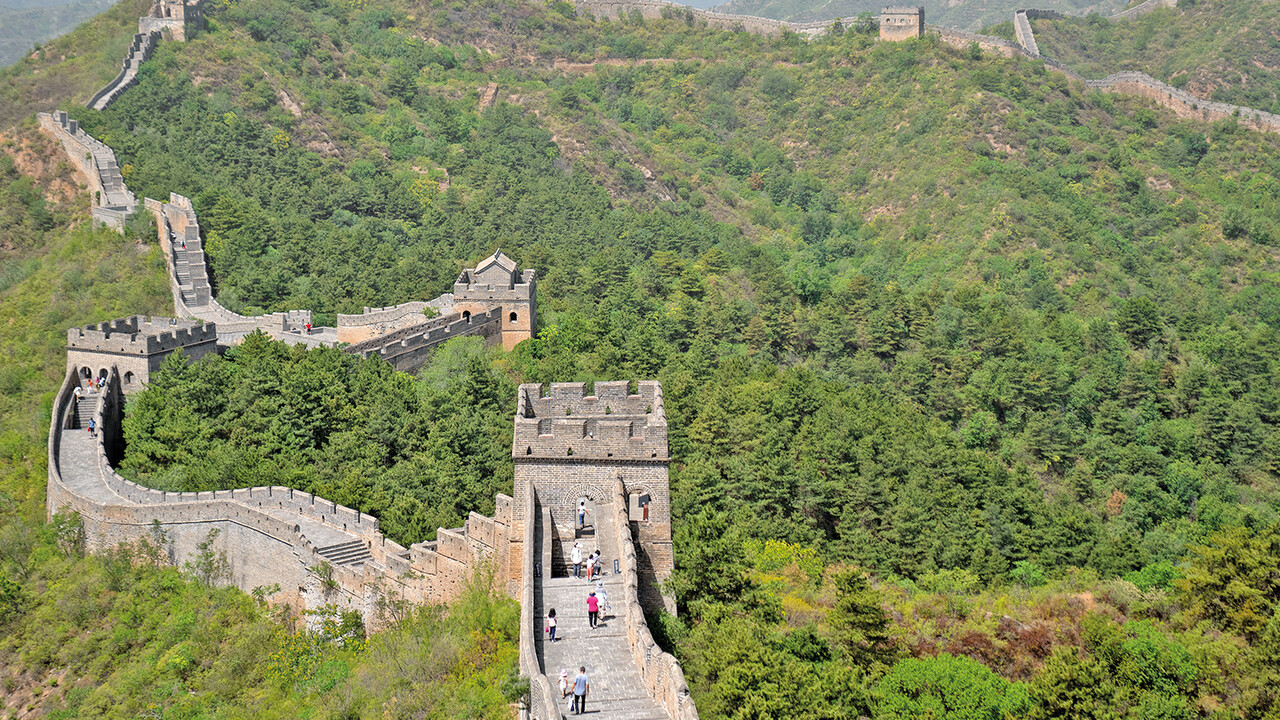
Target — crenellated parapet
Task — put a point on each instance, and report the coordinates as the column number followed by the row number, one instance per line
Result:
column 111, row 201
column 381, row 321
column 610, row 424
column 137, row 346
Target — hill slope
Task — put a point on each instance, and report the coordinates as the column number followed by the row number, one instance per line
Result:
column 1225, row 50
column 930, row 317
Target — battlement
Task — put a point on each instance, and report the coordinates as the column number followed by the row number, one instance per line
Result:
column 379, row 321
column 611, row 424
column 140, row 335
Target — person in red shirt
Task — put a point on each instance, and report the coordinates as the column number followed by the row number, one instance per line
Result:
column 593, row 609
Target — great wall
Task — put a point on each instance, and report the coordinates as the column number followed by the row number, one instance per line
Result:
column 606, row 446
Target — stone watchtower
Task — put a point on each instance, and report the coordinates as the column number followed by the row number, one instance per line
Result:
column 496, row 282
column 137, row 346
column 570, row 446
column 177, row 19
column 901, row 23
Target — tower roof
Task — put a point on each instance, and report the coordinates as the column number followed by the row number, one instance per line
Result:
column 497, row 258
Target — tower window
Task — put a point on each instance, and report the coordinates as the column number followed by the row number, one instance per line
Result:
column 466, row 315
column 513, row 317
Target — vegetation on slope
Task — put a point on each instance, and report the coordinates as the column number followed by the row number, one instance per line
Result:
column 119, row 635
column 23, row 25
column 1224, row 50
column 1043, row 358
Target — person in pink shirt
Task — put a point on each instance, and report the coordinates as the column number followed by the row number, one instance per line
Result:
column 593, row 609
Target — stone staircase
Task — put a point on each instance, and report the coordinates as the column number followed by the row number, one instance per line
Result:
column 347, row 554
column 139, row 51
column 83, row 410
column 191, row 271
column 618, row 692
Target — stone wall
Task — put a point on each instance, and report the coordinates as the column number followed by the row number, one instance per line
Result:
column 144, row 43
column 408, row 349
column 111, row 201
column 269, row 534
column 1022, row 29
column 653, row 9
column 1144, row 8
column 660, row 670
column 543, row 705
column 1184, row 104
column 375, row 322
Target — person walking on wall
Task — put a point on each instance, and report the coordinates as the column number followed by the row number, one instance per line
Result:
column 93, row 427
column 576, row 557
column 604, row 598
column 551, row 624
column 581, row 688
column 591, row 565
column 564, row 683
column 582, row 514
column 593, row 609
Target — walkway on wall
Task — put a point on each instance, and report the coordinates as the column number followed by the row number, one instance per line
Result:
column 618, row 692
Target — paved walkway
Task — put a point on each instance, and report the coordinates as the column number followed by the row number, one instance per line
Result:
column 617, row 690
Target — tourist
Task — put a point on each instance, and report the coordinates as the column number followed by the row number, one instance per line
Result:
column 551, row 624
column 591, row 565
column 78, row 392
column 593, row 609
column 581, row 687
column 582, row 514
column 576, row 557
column 93, row 427
column 604, row 599
column 308, row 328
column 564, row 683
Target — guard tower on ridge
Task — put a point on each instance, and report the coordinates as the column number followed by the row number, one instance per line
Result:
column 496, row 282
column 901, row 23
column 177, row 19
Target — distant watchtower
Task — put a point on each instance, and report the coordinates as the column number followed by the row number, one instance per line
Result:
column 137, row 346
column 177, row 19
column 496, row 282
column 570, row 446
column 901, row 23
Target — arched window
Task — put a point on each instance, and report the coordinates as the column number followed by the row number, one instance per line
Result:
column 466, row 315
column 513, row 317
column 86, row 373
column 128, row 378
column 102, row 373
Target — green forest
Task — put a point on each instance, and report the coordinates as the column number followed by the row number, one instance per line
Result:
column 970, row 373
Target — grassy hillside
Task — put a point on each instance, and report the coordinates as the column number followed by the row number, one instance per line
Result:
column 1225, row 50
column 70, row 68
column 970, row 374
column 25, row 24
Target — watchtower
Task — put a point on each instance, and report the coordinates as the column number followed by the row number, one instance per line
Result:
column 137, row 346
column 178, row 19
column 569, row 446
column 494, row 283
column 901, row 23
